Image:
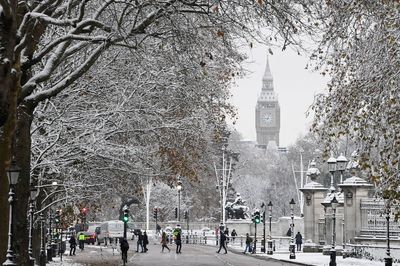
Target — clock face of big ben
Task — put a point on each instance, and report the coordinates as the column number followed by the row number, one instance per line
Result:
column 268, row 118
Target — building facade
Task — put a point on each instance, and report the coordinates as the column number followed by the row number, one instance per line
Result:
column 268, row 114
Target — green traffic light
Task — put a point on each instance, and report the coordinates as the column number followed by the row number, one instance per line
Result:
column 125, row 219
column 257, row 220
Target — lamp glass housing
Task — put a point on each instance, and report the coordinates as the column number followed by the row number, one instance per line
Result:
column 179, row 187
column 270, row 206
column 34, row 193
column 292, row 203
column 331, row 164
column 13, row 173
column 334, row 203
column 341, row 162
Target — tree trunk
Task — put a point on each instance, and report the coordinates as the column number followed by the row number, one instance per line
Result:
column 8, row 99
column 23, row 157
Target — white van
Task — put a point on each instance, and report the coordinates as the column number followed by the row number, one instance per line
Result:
column 109, row 231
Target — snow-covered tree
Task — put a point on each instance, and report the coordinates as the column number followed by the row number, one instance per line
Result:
column 360, row 51
column 46, row 46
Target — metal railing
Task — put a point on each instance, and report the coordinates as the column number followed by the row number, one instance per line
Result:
column 239, row 241
column 373, row 221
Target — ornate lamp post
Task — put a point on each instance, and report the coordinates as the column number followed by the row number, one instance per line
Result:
column 341, row 165
column 49, row 241
column 332, row 168
column 42, row 257
column 334, row 204
column 270, row 252
column 292, row 245
column 12, row 174
column 179, row 188
column 32, row 199
column 388, row 259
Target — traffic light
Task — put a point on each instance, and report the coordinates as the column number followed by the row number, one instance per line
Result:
column 125, row 218
column 186, row 215
column 57, row 217
column 256, row 217
column 176, row 213
column 155, row 212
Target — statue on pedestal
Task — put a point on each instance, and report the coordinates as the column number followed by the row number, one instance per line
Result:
column 237, row 209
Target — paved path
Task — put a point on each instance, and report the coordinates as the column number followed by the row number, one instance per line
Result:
column 196, row 255
column 192, row 255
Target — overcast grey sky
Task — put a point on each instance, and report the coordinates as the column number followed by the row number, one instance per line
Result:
column 294, row 85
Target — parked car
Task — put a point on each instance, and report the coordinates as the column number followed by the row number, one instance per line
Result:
column 205, row 229
column 168, row 229
column 90, row 238
column 135, row 231
column 92, row 228
column 109, row 231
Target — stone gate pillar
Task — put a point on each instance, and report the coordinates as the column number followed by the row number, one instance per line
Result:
column 312, row 209
column 354, row 189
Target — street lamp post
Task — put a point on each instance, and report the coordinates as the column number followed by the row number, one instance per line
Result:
column 33, row 195
column 264, row 243
column 12, row 174
column 49, row 251
column 292, row 245
column 179, row 188
column 388, row 259
column 270, row 252
column 332, row 168
column 334, row 204
column 341, row 165
column 42, row 256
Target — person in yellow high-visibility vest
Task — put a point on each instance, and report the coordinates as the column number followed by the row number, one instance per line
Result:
column 81, row 241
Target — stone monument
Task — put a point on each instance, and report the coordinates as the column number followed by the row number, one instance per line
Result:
column 237, row 209
column 238, row 217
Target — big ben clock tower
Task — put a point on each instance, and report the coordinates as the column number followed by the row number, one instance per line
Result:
column 268, row 114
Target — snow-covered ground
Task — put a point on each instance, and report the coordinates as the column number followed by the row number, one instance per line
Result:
column 306, row 258
column 322, row 260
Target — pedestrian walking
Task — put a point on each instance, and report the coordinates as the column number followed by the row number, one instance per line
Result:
column 158, row 229
column 178, row 242
column 145, row 241
column 249, row 240
column 124, row 245
column 233, row 235
column 299, row 241
column 72, row 245
column 139, row 242
column 164, row 242
column 81, row 239
column 222, row 240
column 289, row 232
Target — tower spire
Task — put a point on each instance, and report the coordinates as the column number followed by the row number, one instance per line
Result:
column 267, row 73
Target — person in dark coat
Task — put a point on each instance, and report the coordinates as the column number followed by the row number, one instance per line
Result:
column 139, row 242
column 299, row 241
column 233, row 235
column 222, row 240
column 124, row 245
column 145, row 241
column 72, row 245
column 249, row 240
column 289, row 232
column 164, row 242
column 178, row 242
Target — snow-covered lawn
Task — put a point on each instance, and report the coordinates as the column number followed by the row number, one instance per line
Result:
column 322, row 260
column 317, row 258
